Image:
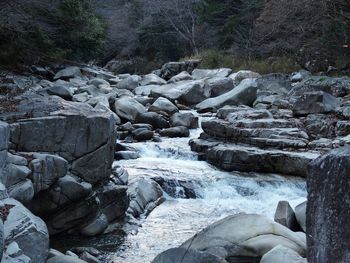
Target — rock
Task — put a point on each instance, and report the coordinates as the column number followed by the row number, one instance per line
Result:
column 281, row 254
column 244, row 93
column 217, row 86
column 71, row 254
column 174, row 132
column 237, row 77
column 320, row 125
column 13, row 174
column 171, row 69
column 142, row 134
column 231, row 157
column 184, row 75
column 285, row 216
column 96, row 227
column 27, row 230
column 210, row 73
column 163, row 105
column 152, row 79
column 89, row 258
column 300, row 75
column 97, row 82
column 342, row 128
column 274, row 84
column 46, row 169
column 129, row 83
column 327, row 211
column 300, row 214
column 247, row 236
column 128, row 108
column 121, row 175
column 69, row 72
column 315, row 102
column 22, row 191
column 81, row 97
column 186, row 119
column 65, row 259
column 54, row 253
column 16, row 160
column 93, row 251
column 14, row 254
column 184, row 255
column 78, row 214
column 126, row 155
column 145, row 195
column 61, row 91
column 1, row 238
column 156, row 120
column 5, row 135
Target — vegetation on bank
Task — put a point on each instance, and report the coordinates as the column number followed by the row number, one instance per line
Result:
column 260, row 35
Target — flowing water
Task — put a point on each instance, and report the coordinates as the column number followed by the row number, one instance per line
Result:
column 218, row 194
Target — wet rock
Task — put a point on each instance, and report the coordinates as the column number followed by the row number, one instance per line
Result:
column 186, row 119
column 145, row 194
column 217, row 86
column 327, row 211
column 163, row 105
column 89, row 258
column 247, row 236
column 244, row 93
column 300, row 75
column 14, row 174
column 237, row 77
column 285, row 216
column 342, row 128
column 126, row 155
column 93, row 251
column 315, row 102
column 121, row 175
column 96, row 227
column 69, row 72
column 320, row 126
column 22, row 191
column 210, row 73
column 128, row 108
column 13, row 254
column 245, row 114
column 28, row 231
column 65, row 259
column 174, row 132
column 154, row 119
column 281, row 254
column 175, row 255
column 300, row 214
column 142, row 134
column 5, row 135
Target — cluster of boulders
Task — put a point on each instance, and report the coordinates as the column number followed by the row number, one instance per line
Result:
column 58, row 144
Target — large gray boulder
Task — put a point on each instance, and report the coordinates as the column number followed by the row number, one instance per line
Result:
column 243, row 94
column 128, row 108
column 186, row 255
column 281, row 254
column 62, row 91
column 210, row 73
column 27, row 230
column 237, row 77
column 156, row 120
column 285, row 216
column 69, row 72
column 327, row 214
column 300, row 214
column 65, row 259
column 246, row 236
column 152, row 79
column 186, row 119
column 163, row 105
column 315, row 102
column 129, row 83
column 4, row 140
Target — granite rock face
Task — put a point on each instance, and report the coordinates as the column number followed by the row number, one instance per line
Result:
column 328, row 210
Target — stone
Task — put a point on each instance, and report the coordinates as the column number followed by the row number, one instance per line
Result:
column 244, row 93
column 152, row 79
column 315, row 102
column 22, row 191
column 171, row 69
column 285, row 216
column 97, row 82
column 96, row 227
column 328, row 210
column 13, row 174
column 65, row 259
column 142, row 134
column 27, row 230
column 184, row 75
column 247, row 236
column 81, row 97
column 16, row 159
column 342, row 128
column 71, row 254
column 320, row 125
column 217, row 86
column 1, row 238
column 69, row 72
column 5, row 135
column 13, row 254
column 156, row 120
column 237, row 77
column 129, row 83
column 126, row 155
column 144, row 195
column 175, row 132
column 46, row 169
column 300, row 214
column 210, row 73
column 274, row 84
column 163, row 105
column 281, row 254
column 300, row 75
column 89, row 258
column 61, row 91
column 121, row 175
column 54, row 253
column 128, row 108
column 186, row 119
column 184, row 255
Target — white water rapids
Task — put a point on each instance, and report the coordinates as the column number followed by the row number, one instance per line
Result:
column 221, row 194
